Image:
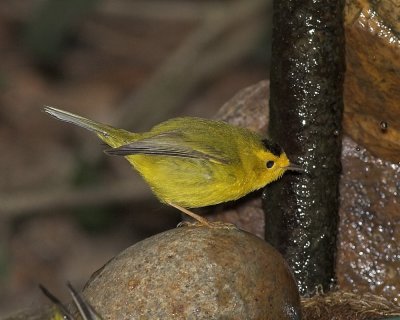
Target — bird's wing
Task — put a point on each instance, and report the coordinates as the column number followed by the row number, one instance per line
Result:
column 172, row 143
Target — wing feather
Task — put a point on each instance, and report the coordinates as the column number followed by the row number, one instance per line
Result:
column 172, row 143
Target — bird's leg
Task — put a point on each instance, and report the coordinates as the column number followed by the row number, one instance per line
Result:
column 200, row 219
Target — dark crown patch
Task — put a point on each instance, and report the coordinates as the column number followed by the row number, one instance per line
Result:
column 273, row 147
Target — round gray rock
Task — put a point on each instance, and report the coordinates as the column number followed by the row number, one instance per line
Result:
column 196, row 272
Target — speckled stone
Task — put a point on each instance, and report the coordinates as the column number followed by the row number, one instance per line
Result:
column 368, row 256
column 196, row 272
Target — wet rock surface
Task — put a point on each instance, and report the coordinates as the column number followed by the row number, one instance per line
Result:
column 368, row 258
column 369, row 232
column 372, row 82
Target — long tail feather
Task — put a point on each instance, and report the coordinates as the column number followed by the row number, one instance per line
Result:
column 77, row 120
column 114, row 137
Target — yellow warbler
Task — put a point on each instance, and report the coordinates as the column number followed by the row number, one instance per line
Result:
column 193, row 162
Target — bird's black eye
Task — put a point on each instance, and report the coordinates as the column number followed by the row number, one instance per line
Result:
column 270, row 164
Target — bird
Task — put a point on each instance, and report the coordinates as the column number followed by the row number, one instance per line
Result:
column 191, row 162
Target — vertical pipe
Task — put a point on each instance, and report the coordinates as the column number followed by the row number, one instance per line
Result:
column 306, row 107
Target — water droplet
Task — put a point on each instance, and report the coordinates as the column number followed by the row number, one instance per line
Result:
column 384, row 126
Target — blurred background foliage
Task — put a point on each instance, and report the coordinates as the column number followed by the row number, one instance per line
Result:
column 66, row 208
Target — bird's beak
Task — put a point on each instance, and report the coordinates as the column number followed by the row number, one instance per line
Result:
column 295, row 167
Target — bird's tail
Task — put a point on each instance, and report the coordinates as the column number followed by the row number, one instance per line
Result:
column 112, row 136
